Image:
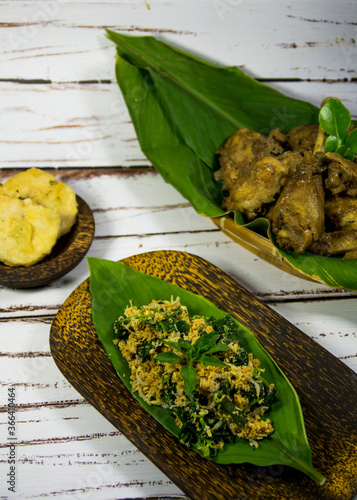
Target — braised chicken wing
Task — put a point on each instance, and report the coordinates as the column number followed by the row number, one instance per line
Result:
column 302, row 138
column 343, row 241
column 298, row 216
column 342, row 175
column 341, row 212
column 285, row 178
column 253, row 170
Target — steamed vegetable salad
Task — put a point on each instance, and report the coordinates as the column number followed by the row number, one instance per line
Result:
column 194, row 367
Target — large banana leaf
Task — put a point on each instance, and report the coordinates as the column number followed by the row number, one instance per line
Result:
column 183, row 109
column 175, row 161
column 287, row 445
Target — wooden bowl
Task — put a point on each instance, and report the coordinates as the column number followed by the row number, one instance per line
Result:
column 66, row 254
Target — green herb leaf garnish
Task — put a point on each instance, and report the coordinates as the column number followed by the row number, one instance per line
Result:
column 229, row 408
column 192, row 353
column 335, row 120
column 189, row 375
column 167, row 357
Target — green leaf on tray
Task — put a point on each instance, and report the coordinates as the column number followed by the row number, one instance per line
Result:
column 114, row 284
column 205, row 103
column 184, row 108
column 175, row 161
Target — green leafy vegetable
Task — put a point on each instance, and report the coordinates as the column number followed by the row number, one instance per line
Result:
column 189, row 375
column 113, row 285
column 167, row 357
column 335, row 120
column 192, row 353
column 209, row 418
column 351, row 141
column 229, row 408
column 144, row 349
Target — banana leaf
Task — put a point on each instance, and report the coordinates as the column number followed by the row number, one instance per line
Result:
column 287, row 445
column 184, row 108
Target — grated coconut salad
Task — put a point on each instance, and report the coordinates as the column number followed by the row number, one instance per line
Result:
column 194, row 367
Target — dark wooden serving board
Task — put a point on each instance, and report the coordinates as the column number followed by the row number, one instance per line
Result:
column 326, row 387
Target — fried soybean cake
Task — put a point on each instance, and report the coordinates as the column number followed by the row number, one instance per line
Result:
column 194, row 367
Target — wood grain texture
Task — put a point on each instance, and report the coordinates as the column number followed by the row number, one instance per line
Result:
column 74, row 452
column 289, row 39
column 60, row 431
column 136, row 211
column 88, row 125
column 266, row 281
column 67, row 253
column 324, row 386
column 60, row 107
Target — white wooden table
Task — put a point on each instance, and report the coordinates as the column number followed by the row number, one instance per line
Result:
column 60, row 108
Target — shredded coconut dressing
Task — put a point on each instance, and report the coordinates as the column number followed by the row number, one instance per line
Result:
column 194, row 367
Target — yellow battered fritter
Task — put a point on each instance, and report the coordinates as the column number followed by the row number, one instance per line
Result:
column 44, row 189
column 28, row 231
column 35, row 210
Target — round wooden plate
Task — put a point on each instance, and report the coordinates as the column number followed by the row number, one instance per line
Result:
column 66, row 254
column 326, row 388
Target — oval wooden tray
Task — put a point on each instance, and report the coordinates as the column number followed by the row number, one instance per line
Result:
column 325, row 385
column 259, row 245
column 66, row 254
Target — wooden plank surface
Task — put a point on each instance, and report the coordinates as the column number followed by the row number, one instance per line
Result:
column 140, row 213
column 59, row 99
column 56, row 427
column 270, row 39
column 61, row 108
column 71, row 124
